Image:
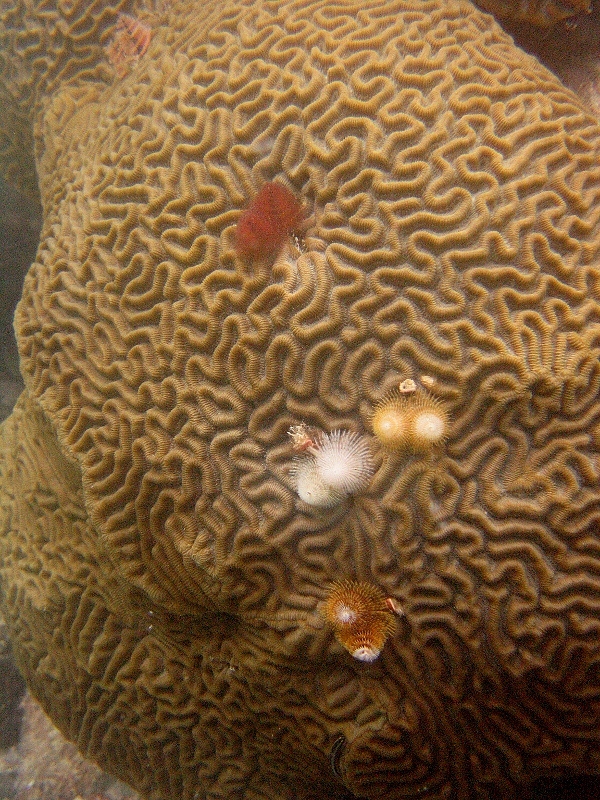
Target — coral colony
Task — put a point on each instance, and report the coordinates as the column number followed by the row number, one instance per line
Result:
column 265, row 225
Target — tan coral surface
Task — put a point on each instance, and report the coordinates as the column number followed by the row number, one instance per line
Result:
column 162, row 579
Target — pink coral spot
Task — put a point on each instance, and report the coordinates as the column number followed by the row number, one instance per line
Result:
column 271, row 217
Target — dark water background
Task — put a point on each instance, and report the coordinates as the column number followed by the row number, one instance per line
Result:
column 20, row 222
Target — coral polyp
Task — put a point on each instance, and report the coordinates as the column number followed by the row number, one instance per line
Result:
column 360, row 616
column 416, row 421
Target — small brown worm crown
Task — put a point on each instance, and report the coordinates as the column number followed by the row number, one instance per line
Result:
column 361, row 617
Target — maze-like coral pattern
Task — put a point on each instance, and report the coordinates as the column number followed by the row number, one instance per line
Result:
column 454, row 186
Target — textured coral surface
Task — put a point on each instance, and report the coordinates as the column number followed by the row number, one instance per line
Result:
column 162, row 580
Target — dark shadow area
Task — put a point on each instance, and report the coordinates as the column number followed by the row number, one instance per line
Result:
column 12, row 689
column 571, row 49
column 577, row 787
column 20, row 223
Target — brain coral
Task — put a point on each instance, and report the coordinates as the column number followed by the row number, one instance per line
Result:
column 163, row 582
